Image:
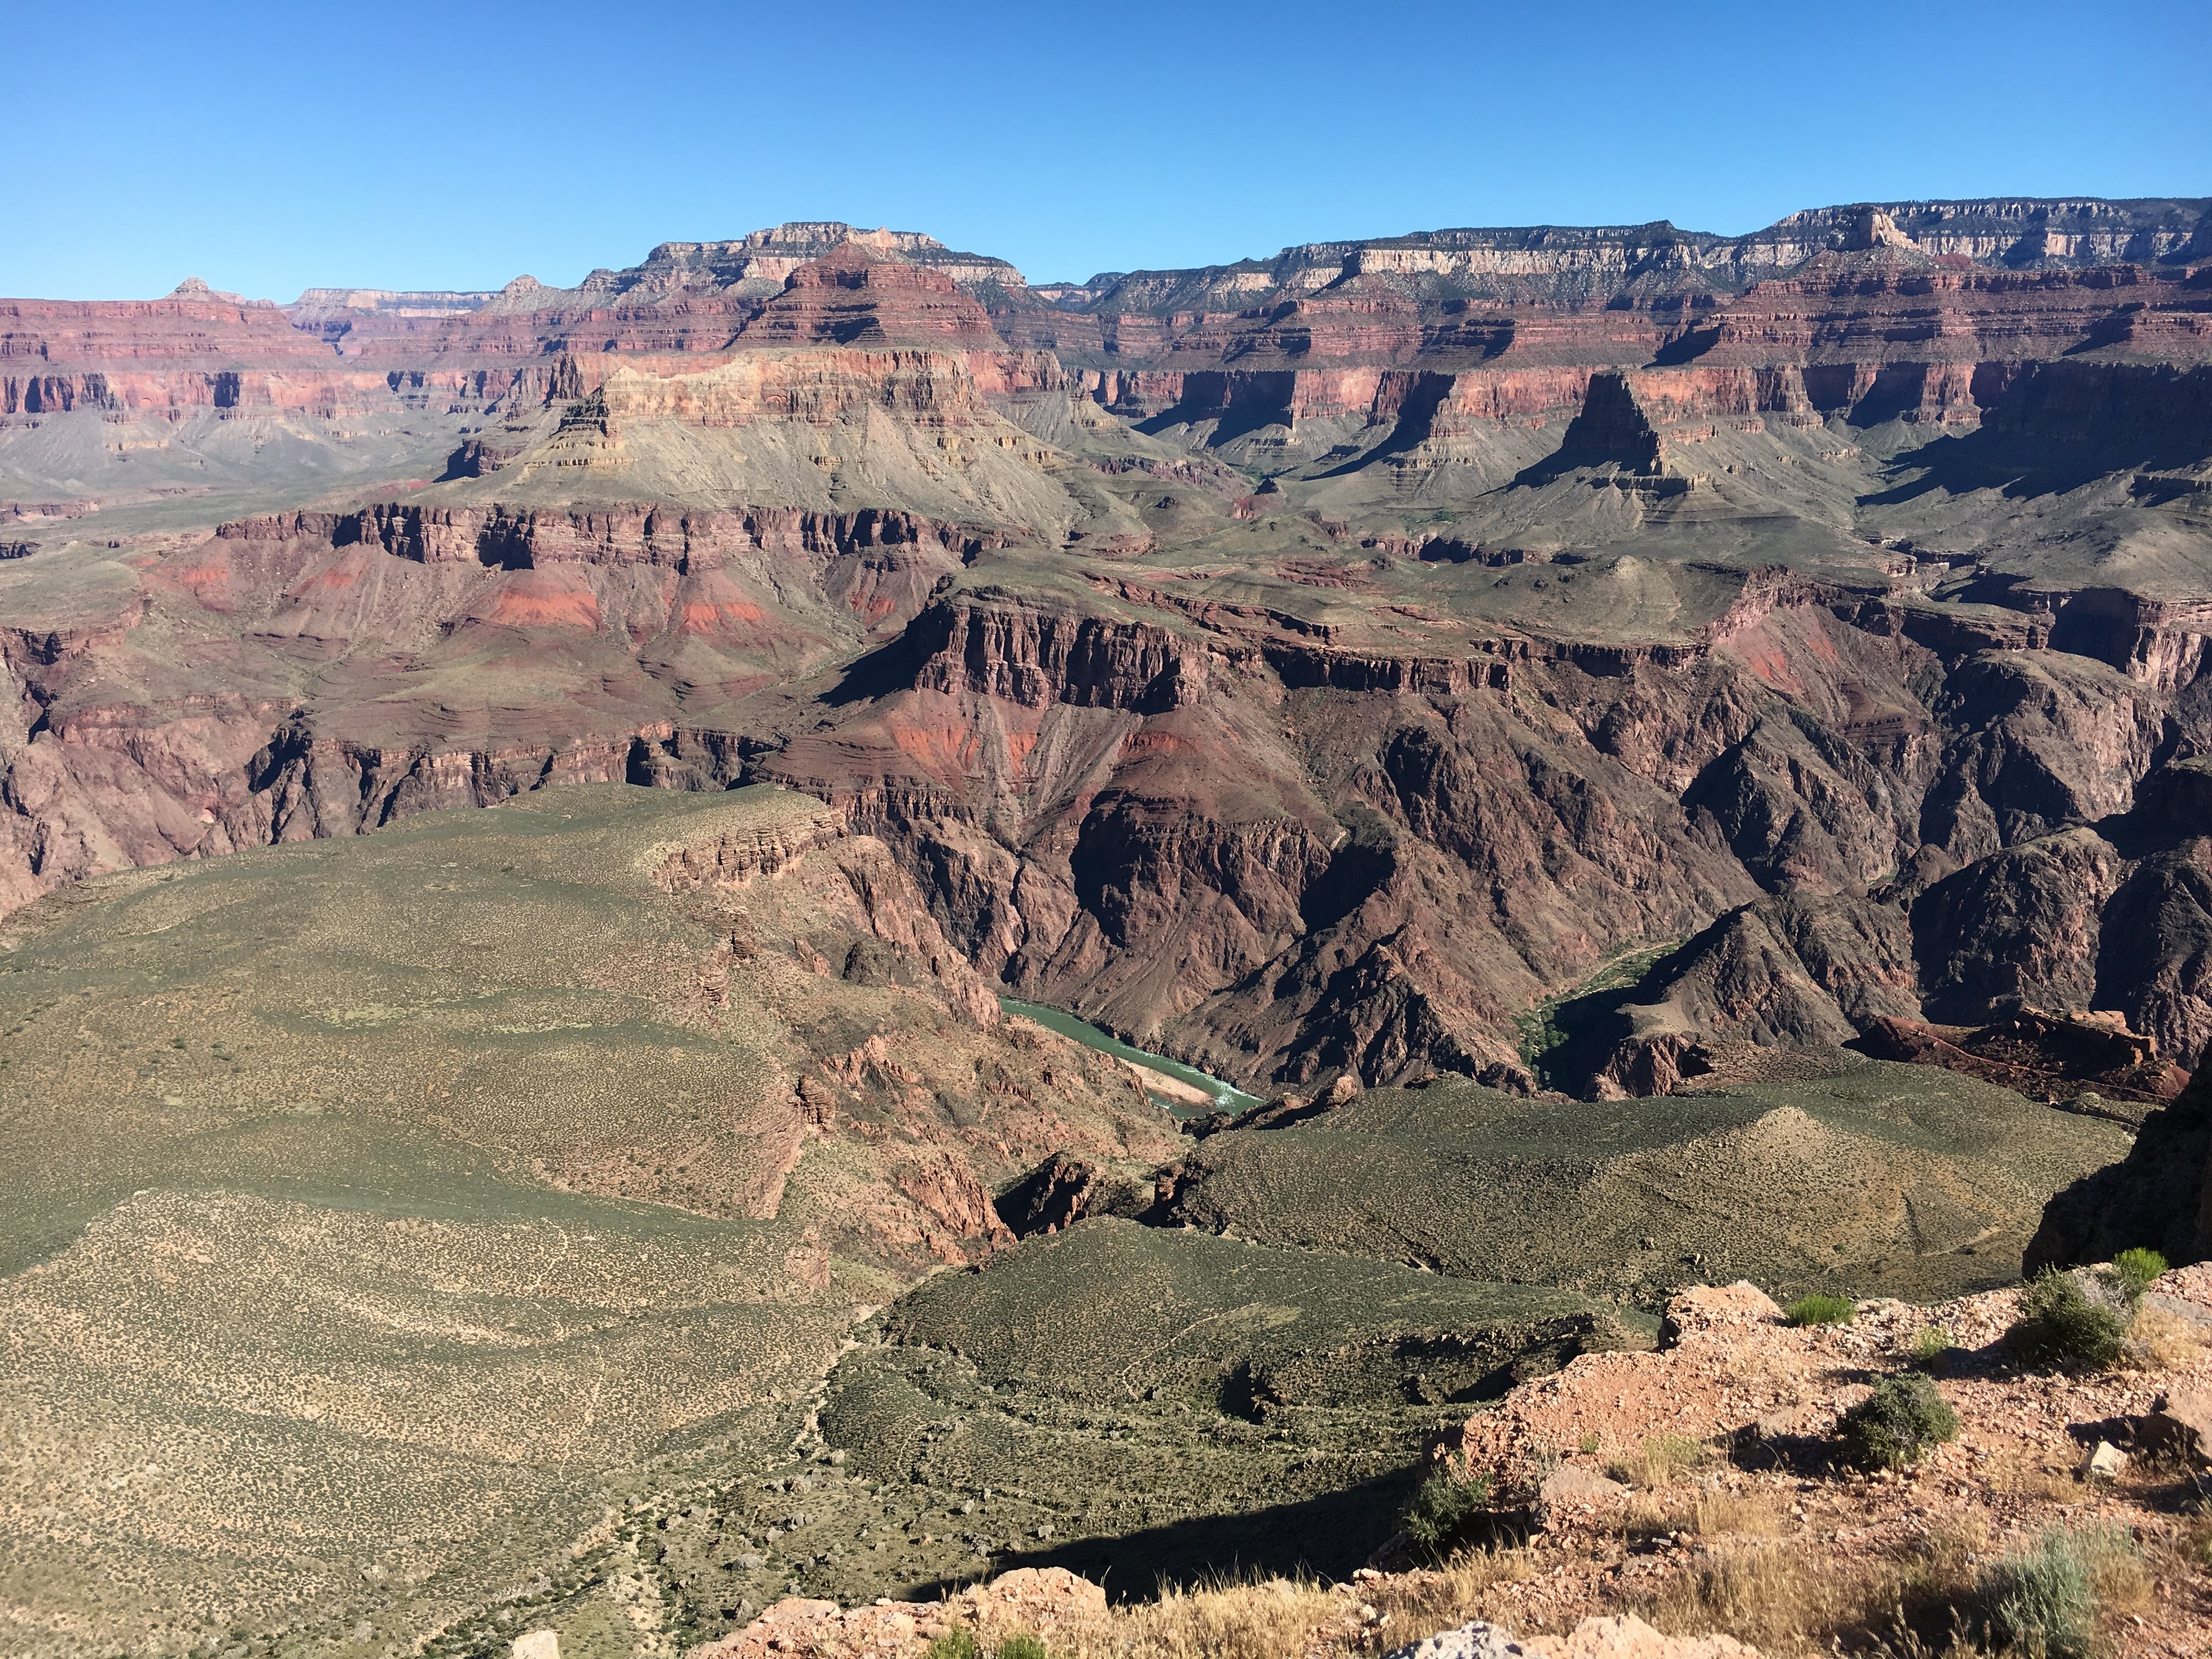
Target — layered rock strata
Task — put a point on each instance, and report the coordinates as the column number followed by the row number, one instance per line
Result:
column 1810, row 621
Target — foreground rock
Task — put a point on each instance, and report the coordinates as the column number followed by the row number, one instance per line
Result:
column 1735, row 1526
column 1727, row 1436
column 1049, row 1602
column 1065, row 1611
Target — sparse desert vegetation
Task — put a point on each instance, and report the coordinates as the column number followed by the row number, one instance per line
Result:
column 1444, row 1509
column 1821, row 1309
column 1898, row 1423
column 2063, row 1321
column 2051, row 1595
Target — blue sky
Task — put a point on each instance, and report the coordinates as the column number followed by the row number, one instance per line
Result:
column 271, row 148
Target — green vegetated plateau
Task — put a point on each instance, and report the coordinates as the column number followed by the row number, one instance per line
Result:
column 383, row 1214
column 1138, row 1403
column 1900, row 1179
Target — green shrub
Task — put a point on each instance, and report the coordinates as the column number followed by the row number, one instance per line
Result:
column 1819, row 1310
column 2044, row 1598
column 2060, row 1323
column 1444, row 1508
column 2135, row 1269
column 1930, row 1343
column 1022, row 1645
column 957, row 1643
column 1900, row 1420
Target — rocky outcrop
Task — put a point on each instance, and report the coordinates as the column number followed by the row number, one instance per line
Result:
column 678, row 539
column 1757, row 1404
column 2156, row 413
column 734, row 857
column 852, row 296
column 1051, row 1604
column 101, row 783
column 1354, row 976
column 1028, row 656
column 754, row 266
column 1622, row 1636
column 2153, row 963
column 1803, row 970
column 2092, row 1065
column 2018, row 930
column 1567, row 266
column 183, row 328
column 1046, row 1603
column 925, row 386
column 1612, row 428
column 1063, row 1190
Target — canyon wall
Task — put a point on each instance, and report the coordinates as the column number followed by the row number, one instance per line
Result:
column 1329, row 664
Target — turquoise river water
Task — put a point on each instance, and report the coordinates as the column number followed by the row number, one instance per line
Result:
column 1226, row 1096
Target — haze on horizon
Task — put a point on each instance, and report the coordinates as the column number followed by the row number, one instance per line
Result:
column 447, row 148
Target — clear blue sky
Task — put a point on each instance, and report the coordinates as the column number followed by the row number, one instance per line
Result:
column 271, row 148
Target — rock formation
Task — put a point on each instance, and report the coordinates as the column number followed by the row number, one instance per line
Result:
column 1698, row 639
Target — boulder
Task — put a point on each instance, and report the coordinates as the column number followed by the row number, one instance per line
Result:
column 1045, row 1602
column 1625, row 1637
column 2105, row 1459
column 1470, row 1641
column 1710, row 1307
column 2180, row 1424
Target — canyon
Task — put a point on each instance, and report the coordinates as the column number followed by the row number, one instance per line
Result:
column 529, row 817
column 1320, row 665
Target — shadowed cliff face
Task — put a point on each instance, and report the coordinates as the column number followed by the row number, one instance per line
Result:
column 1563, row 657
column 1283, row 879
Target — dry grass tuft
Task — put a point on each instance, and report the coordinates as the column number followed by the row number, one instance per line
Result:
column 1740, row 1515
column 1447, row 1597
column 2121, row 1578
column 1776, row 1599
column 1271, row 1618
column 1647, row 1515
column 1911, row 1644
column 1788, row 1600
column 2188, row 1548
column 1952, row 1548
column 2160, row 1341
column 2020, row 1477
column 1258, row 1620
column 1660, row 1461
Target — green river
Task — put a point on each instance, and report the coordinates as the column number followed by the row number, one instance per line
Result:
column 1226, row 1097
